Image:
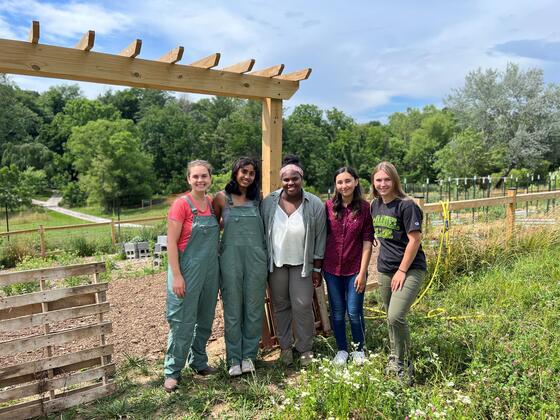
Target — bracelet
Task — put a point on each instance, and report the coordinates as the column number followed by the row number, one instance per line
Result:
column 316, row 269
column 402, row 271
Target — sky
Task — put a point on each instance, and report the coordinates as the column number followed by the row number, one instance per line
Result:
column 369, row 58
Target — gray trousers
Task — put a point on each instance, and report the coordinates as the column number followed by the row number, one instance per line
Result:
column 292, row 298
column 397, row 304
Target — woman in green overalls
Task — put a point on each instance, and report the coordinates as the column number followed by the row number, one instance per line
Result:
column 242, row 264
column 192, row 278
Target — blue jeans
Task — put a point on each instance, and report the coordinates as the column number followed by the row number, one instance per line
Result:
column 343, row 299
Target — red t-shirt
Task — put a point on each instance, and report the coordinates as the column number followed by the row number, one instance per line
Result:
column 180, row 211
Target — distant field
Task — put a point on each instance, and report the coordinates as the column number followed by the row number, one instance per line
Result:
column 34, row 217
column 135, row 213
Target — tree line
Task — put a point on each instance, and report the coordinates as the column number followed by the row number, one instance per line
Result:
column 126, row 145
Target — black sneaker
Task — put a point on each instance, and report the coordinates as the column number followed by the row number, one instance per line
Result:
column 405, row 373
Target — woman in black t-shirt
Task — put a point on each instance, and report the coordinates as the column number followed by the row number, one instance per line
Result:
column 401, row 263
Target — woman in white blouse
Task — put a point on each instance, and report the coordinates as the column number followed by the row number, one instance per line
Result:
column 295, row 225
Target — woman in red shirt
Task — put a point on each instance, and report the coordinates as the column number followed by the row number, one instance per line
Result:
column 347, row 255
column 193, row 276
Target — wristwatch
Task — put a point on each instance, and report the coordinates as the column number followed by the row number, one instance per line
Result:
column 317, row 270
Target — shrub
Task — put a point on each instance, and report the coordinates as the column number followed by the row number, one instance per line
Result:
column 14, row 251
column 73, row 195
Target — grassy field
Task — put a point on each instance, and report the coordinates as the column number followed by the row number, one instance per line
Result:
column 491, row 353
column 35, row 216
column 159, row 209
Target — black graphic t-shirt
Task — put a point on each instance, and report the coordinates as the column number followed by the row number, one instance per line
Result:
column 392, row 222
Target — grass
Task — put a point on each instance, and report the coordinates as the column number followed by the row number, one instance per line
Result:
column 491, row 353
column 35, row 216
column 159, row 209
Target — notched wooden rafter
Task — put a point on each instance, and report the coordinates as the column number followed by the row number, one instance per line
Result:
column 22, row 57
column 269, row 71
column 34, row 32
column 207, row 62
column 243, row 67
column 296, row 76
column 133, row 49
column 87, row 41
column 172, row 56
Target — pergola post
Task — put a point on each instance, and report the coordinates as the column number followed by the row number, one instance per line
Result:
column 271, row 144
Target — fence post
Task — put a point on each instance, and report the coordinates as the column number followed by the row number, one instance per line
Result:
column 113, row 232
column 510, row 216
column 42, row 240
column 419, row 198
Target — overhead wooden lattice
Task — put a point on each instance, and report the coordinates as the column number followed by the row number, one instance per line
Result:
column 82, row 64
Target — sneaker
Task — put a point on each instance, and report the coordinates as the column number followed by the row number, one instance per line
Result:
column 208, row 370
column 235, row 370
column 287, row 357
column 170, row 384
column 306, row 358
column 406, row 373
column 340, row 358
column 392, row 367
column 247, row 366
column 358, row 357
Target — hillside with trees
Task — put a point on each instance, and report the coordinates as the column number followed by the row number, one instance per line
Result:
column 127, row 145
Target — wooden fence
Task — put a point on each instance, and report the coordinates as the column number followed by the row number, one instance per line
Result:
column 56, row 319
column 42, row 230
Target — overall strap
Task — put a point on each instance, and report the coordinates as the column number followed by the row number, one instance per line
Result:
column 191, row 204
column 210, row 206
column 229, row 199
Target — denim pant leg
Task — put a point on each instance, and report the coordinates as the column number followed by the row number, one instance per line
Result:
column 355, row 309
column 336, row 289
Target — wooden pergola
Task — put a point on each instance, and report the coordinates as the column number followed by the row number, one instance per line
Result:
column 81, row 63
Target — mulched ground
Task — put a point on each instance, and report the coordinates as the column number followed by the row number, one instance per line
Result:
column 138, row 317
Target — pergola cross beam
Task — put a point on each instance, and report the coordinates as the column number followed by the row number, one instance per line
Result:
column 32, row 58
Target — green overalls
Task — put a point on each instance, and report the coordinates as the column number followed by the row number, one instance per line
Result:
column 243, row 264
column 190, row 318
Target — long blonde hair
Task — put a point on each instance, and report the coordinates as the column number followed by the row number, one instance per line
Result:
column 390, row 170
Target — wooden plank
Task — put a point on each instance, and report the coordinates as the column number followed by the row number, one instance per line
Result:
column 323, row 310
column 24, row 410
column 467, row 204
column 296, row 76
column 87, row 41
column 34, row 320
column 372, row 285
column 50, row 295
column 10, row 375
column 133, row 49
column 34, row 32
column 81, row 226
column 52, row 339
column 18, row 57
column 79, row 396
column 172, row 56
column 144, row 219
column 243, row 67
column 207, row 62
column 68, row 302
column 51, row 273
column 269, row 71
column 18, row 232
column 271, row 144
column 546, row 195
column 64, row 381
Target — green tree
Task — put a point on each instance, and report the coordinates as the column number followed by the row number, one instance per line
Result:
column 25, row 155
column 169, row 135
column 464, row 156
column 18, row 123
column 516, row 113
column 17, row 188
column 112, row 167
column 55, row 99
column 76, row 112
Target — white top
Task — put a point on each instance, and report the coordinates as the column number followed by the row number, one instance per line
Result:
column 288, row 237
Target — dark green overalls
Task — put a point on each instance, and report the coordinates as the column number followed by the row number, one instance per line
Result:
column 190, row 318
column 243, row 264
